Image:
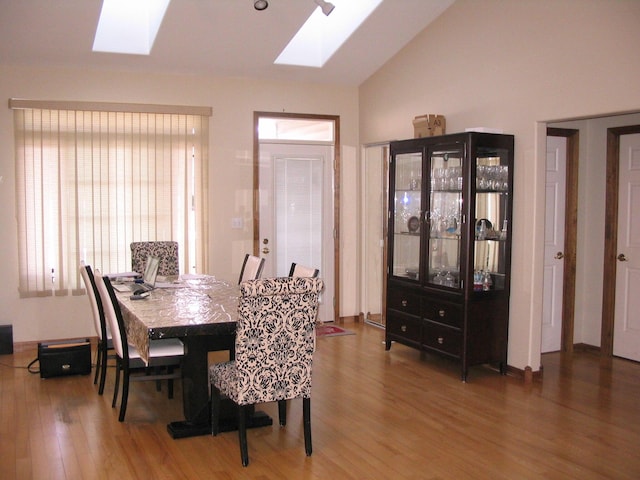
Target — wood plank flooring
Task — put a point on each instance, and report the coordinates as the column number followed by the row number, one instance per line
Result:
column 375, row 415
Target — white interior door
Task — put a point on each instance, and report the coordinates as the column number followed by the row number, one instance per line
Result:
column 626, row 330
column 554, row 243
column 296, row 212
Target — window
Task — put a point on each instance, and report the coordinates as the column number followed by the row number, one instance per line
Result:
column 92, row 178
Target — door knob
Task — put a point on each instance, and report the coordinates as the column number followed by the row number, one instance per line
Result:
column 265, row 250
column 622, row 258
column 559, row 256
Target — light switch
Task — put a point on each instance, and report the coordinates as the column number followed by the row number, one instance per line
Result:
column 237, row 223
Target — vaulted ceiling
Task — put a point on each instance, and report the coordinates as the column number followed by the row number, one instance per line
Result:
column 209, row 37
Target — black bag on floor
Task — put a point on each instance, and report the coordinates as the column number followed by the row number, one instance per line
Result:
column 69, row 357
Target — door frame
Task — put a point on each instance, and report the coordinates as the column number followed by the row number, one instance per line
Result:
column 336, row 191
column 570, row 235
column 611, row 236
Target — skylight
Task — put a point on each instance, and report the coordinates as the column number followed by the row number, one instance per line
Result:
column 321, row 36
column 127, row 26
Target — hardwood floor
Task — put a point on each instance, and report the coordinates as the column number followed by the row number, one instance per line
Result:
column 375, row 415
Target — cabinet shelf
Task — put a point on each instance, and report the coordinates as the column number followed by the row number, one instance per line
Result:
column 487, row 190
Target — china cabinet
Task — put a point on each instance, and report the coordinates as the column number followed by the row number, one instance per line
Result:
column 449, row 246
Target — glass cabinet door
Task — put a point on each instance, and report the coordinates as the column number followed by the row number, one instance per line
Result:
column 491, row 219
column 445, row 217
column 407, row 211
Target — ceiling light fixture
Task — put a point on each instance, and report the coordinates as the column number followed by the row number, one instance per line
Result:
column 327, row 7
column 260, row 5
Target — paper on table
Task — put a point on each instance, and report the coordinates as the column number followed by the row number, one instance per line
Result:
column 193, row 276
column 122, row 275
column 170, row 285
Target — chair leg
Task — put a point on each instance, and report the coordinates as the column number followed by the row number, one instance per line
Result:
column 215, row 410
column 98, row 354
column 103, row 368
column 125, row 393
column 282, row 412
column 242, row 434
column 306, row 414
column 116, row 386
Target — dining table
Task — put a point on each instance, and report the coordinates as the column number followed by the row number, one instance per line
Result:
column 202, row 312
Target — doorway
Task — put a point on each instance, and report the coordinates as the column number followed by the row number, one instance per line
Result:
column 374, row 189
column 560, row 240
column 618, row 300
column 296, row 208
column 595, row 284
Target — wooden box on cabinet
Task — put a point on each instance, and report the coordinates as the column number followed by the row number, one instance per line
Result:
column 449, row 257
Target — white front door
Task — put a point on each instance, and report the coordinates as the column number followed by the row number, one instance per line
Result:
column 626, row 330
column 296, row 213
column 554, row 243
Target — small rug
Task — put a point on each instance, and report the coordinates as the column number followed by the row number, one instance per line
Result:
column 331, row 331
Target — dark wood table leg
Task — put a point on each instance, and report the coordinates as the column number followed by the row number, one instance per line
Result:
column 195, row 391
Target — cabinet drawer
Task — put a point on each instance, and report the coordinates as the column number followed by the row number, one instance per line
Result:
column 403, row 301
column 443, row 312
column 404, row 326
column 442, row 338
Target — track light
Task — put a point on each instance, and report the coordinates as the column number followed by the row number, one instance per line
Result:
column 260, row 5
column 327, row 7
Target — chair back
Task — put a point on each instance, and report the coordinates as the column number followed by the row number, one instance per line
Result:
column 113, row 315
column 275, row 338
column 298, row 270
column 251, row 268
column 99, row 323
column 167, row 252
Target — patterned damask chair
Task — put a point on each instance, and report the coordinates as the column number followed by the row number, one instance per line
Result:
column 167, row 252
column 275, row 341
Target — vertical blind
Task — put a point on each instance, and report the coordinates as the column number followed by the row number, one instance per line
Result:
column 91, row 179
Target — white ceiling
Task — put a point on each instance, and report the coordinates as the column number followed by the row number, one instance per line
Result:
column 209, row 37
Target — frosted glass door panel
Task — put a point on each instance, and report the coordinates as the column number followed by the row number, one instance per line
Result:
column 298, row 199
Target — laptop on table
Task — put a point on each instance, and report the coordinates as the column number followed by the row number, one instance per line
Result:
column 148, row 279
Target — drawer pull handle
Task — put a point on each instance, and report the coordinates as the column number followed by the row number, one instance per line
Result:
column 404, row 303
column 441, row 313
column 403, row 328
column 440, row 340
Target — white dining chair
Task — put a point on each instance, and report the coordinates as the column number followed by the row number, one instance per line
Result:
column 251, row 268
column 105, row 342
column 298, row 270
column 165, row 354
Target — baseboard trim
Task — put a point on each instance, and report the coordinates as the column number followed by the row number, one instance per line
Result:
column 349, row 319
column 528, row 375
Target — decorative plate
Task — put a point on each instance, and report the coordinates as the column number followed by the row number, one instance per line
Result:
column 413, row 224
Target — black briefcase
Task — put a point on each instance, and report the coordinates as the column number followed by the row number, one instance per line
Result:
column 70, row 357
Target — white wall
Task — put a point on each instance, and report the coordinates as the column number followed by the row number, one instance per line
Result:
column 513, row 65
column 231, row 143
